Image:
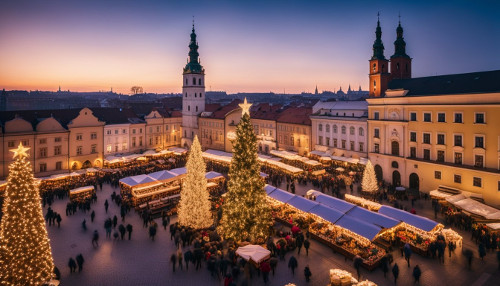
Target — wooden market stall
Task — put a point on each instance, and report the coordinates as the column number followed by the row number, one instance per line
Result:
column 82, row 194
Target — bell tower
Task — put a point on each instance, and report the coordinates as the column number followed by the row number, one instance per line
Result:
column 400, row 61
column 379, row 66
column 193, row 93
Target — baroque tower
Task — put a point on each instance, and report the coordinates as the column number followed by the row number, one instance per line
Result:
column 379, row 66
column 400, row 61
column 193, row 93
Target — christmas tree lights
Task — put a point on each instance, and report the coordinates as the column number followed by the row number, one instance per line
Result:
column 245, row 212
column 194, row 206
column 369, row 183
column 25, row 253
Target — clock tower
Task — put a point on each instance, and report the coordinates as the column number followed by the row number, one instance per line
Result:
column 379, row 66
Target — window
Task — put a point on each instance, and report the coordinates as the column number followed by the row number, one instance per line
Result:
column 327, row 127
column 58, row 165
column 457, row 179
column 320, row 127
column 158, row 128
column 343, row 144
column 413, row 136
column 57, row 150
column 43, row 167
column 458, row 158
column 57, row 139
column 440, row 139
column 108, row 132
column 43, row 141
column 395, row 148
column 478, row 161
column 292, row 141
column 194, row 81
column 116, row 131
column 133, row 131
column 477, row 182
column 427, row 138
column 335, row 129
column 479, row 141
column 140, row 141
column 93, row 149
column 413, row 116
column 197, row 108
column 140, row 130
column 327, row 141
column 427, row 154
column 150, row 129
column 352, row 145
column 93, row 135
column 79, row 150
column 361, row 147
column 320, row 140
column 352, row 130
column 133, row 141
column 457, row 140
column 441, row 117
column 376, row 148
column 343, row 129
column 11, row 144
column 437, row 175
column 440, row 156
column 361, row 132
column 124, row 131
column 395, row 164
column 157, row 140
column 26, row 142
column 427, row 117
column 189, row 108
column 413, row 152
column 376, row 133
column 201, row 94
column 458, row 117
column 376, row 115
column 79, row 137
column 43, row 152
column 479, row 118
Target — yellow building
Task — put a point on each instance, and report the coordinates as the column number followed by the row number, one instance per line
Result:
column 440, row 130
column 263, row 118
column 86, row 141
column 293, row 127
column 163, row 129
column 218, row 124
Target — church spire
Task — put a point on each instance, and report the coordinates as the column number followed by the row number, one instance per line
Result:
column 378, row 46
column 316, row 90
column 399, row 44
column 193, row 65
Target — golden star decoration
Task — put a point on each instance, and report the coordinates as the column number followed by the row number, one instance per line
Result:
column 20, row 151
column 245, row 107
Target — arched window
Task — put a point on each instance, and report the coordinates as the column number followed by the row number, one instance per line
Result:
column 194, row 81
column 343, row 129
column 199, row 81
column 189, row 108
column 374, row 67
column 334, row 128
column 394, row 164
column 352, row 130
column 196, row 108
column 361, row 132
column 195, row 94
column 320, row 127
column 397, row 66
column 395, row 148
column 327, row 127
column 374, row 84
column 186, row 94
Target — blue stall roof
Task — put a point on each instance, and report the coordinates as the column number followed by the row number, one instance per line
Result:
column 136, row 180
column 269, row 189
column 162, row 175
column 326, row 213
column 179, row 171
column 212, row 175
column 374, row 218
column 364, row 229
column 411, row 219
column 302, row 204
column 334, row 203
column 280, row 195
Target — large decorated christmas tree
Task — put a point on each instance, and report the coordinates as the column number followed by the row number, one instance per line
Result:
column 194, row 207
column 25, row 255
column 245, row 212
column 369, row 182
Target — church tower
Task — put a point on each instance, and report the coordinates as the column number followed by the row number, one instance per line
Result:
column 400, row 61
column 193, row 93
column 379, row 66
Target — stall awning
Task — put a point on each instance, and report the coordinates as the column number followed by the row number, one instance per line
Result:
column 422, row 223
column 340, row 205
column 162, row 175
column 302, row 204
column 326, row 213
column 136, row 180
column 179, row 171
column 440, row 195
column 359, row 227
column 212, row 175
column 269, row 189
column 280, row 195
column 374, row 218
column 478, row 208
column 81, row 189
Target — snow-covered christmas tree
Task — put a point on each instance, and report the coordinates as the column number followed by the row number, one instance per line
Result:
column 369, row 183
column 245, row 212
column 194, row 207
column 25, row 255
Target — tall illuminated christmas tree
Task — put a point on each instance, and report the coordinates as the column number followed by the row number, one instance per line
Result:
column 25, row 255
column 194, row 207
column 245, row 212
column 369, row 182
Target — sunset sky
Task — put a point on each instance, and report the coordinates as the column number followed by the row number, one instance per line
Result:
column 245, row 46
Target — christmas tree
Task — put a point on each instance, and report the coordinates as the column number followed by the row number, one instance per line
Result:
column 369, row 183
column 26, row 256
column 245, row 212
column 194, row 207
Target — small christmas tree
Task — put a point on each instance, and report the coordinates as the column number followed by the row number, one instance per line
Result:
column 369, row 183
column 194, row 207
column 26, row 256
column 245, row 212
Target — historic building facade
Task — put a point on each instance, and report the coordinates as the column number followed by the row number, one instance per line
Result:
column 293, row 128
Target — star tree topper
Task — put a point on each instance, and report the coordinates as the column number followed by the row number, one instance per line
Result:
column 20, row 151
column 245, row 107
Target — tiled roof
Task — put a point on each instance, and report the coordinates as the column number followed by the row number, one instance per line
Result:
column 221, row 112
column 63, row 116
column 115, row 115
column 295, row 115
column 476, row 82
column 265, row 111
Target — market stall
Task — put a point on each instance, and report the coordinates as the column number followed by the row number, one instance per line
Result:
column 254, row 253
column 82, row 194
column 367, row 204
column 478, row 211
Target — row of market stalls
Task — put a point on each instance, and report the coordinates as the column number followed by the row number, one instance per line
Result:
column 327, row 156
column 116, row 161
column 294, row 159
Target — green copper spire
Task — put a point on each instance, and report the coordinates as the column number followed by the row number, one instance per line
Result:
column 378, row 46
column 193, row 65
column 399, row 44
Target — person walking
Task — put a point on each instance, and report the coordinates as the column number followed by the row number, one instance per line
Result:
column 468, row 254
column 299, row 241
column 92, row 216
column 72, row 265
column 106, row 205
column 122, row 230
column 357, row 264
column 129, row 230
column 80, row 261
column 95, row 239
column 384, row 264
column 482, row 251
column 84, row 225
column 273, row 262
column 395, row 272
column 307, row 273
column 407, row 252
column 188, row 257
column 58, row 219
column 417, row 273
column 306, row 246
column 152, row 233
column 173, row 259
column 179, row 257
column 292, row 264
column 265, row 268
column 115, row 221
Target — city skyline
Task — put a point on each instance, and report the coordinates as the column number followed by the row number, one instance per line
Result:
column 282, row 46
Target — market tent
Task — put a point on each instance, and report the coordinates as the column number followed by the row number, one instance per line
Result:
column 359, row 227
column 256, row 253
column 478, row 208
column 455, row 198
column 374, row 218
column 179, row 171
column 162, row 175
column 439, row 195
column 136, row 180
column 408, row 218
column 302, row 204
column 338, row 204
column 493, row 226
column 280, row 195
column 149, row 152
column 178, row 150
column 269, row 189
column 326, row 213
column 212, row 175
